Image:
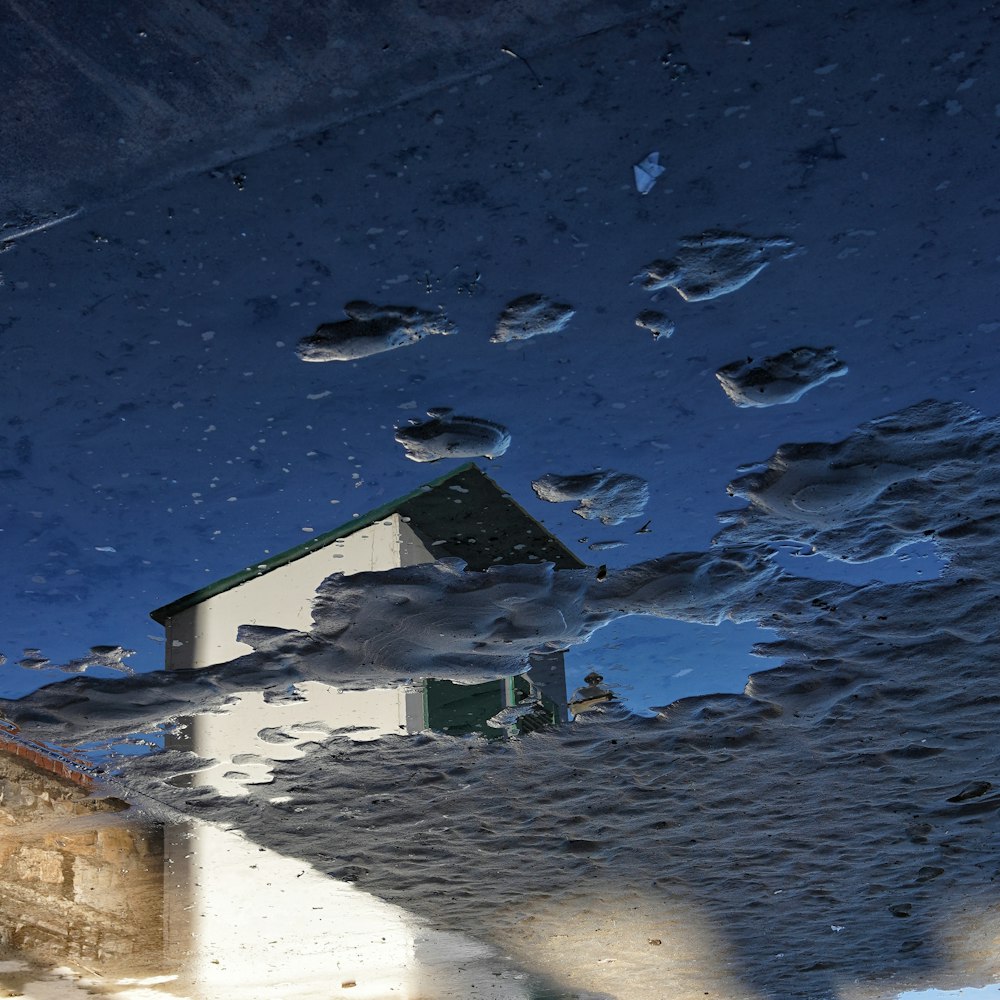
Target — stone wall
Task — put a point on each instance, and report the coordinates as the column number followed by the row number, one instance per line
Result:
column 80, row 883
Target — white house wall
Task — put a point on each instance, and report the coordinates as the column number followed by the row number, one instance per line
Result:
column 244, row 921
column 250, row 735
column 206, row 633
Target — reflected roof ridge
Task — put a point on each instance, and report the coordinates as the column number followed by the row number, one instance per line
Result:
column 548, row 547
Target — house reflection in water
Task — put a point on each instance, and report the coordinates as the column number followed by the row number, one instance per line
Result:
column 594, row 694
column 462, row 515
column 216, row 914
column 229, row 918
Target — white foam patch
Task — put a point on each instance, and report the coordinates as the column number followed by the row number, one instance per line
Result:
column 909, row 477
column 433, row 620
column 606, row 496
column 715, row 263
column 531, row 316
column 657, row 323
column 448, row 435
column 783, row 378
column 370, row 329
column 109, row 657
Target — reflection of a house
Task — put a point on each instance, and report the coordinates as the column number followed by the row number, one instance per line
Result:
column 463, row 514
column 223, row 889
column 235, row 919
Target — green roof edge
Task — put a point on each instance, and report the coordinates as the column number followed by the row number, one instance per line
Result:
column 161, row 614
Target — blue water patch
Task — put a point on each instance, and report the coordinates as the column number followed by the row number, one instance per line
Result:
column 650, row 662
column 107, row 753
column 919, row 561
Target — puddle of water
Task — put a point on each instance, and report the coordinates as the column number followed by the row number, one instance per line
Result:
column 104, row 753
column 254, row 733
column 651, row 662
column 617, row 852
column 916, row 562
